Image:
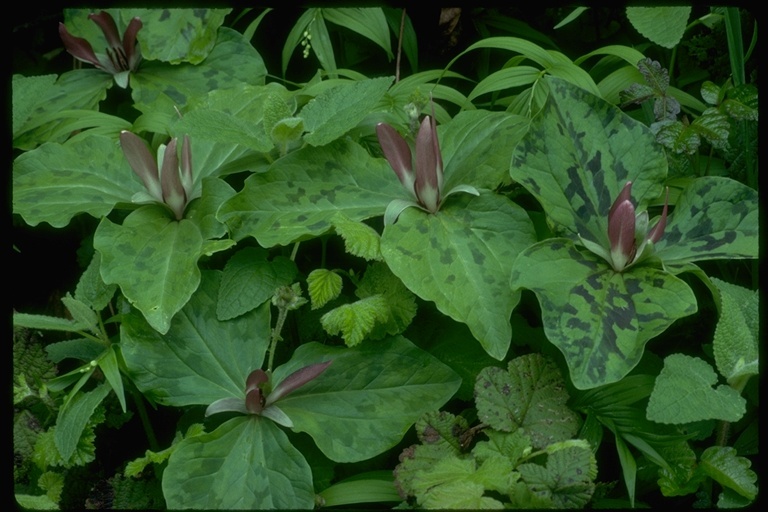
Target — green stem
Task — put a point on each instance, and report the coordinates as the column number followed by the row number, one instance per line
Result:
column 281, row 316
column 145, row 423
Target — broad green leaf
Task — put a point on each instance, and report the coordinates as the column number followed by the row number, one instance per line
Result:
column 400, row 308
column 682, row 477
column 177, row 35
column 300, row 194
column 441, row 428
column 220, row 126
column 27, row 91
column 460, row 258
column 153, row 259
column 81, row 89
column 356, row 320
column 368, row 22
column 599, row 319
column 729, row 470
column 714, row 218
column 713, row 126
column 91, row 288
column 55, row 182
column 73, row 418
column 200, row 359
column 455, row 482
column 249, row 280
column 323, row 286
column 371, row 487
column 664, row 26
column 367, row 398
column 683, row 393
column 568, row 477
column 576, row 169
column 332, row 113
column 231, row 62
column 360, row 239
column 203, row 211
column 476, row 147
column 736, row 335
column 246, row 463
column 531, row 396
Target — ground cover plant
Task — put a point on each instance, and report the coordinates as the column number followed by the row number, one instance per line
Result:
column 341, row 256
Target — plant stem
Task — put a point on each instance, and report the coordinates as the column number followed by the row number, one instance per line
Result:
column 145, row 423
column 281, row 316
column 399, row 47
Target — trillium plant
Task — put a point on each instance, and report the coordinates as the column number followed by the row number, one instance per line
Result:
column 631, row 241
column 425, row 182
column 121, row 57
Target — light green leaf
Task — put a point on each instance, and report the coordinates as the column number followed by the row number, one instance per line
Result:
column 249, row 452
column 400, row 302
column 109, row 366
column 200, row 359
column 356, row 320
column 55, row 182
column 249, row 280
column 332, row 113
column 349, row 410
column 323, row 286
column 300, row 194
column 368, row 22
column 73, row 418
column 683, row 393
column 736, row 335
column 664, row 26
column 45, row 322
column 359, row 239
column 729, row 470
column 459, row 258
column 91, row 288
column 568, row 477
column 531, row 395
column 153, row 259
column 219, row 126
column 27, row 91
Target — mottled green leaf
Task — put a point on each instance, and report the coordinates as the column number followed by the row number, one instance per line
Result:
column 203, row 211
column 578, row 154
column 249, row 280
column 568, row 477
column 531, row 395
column 200, row 359
column 153, row 259
column 460, row 259
column 55, row 182
column 368, row 397
column 332, row 113
column 712, row 126
column 323, row 286
column 27, row 92
column 664, row 26
column 736, row 335
column 599, row 319
column 219, row 126
column 683, row 393
column 729, row 470
column 300, row 194
column 91, row 288
column 249, row 454
column 714, row 218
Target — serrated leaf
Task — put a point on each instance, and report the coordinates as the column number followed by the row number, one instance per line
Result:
column 356, row 320
column 664, row 26
column 568, row 477
column 359, row 238
column 401, row 303
column 441, row 428
column 712, row 126
column 81, row 313
column 249, row 280
column 677, row 137
column 729, row 470
column 683, row 393
column 332, row 113
column 202, row 468
column 531, row 395
column 682, row 477
column 73, row 418
column 323, row 286
column 153, row 259
column 45, row 322
column 736, row 334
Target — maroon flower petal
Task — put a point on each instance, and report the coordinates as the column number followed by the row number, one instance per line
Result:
column 173, row 191
column 658, row 230
column 107, row 24
column 78, row 47
column 142, row 162
column 398, row 154
column 255, row 378
column 621, row 233
column 130, row 44
column 254, row 401
column 297, row 379
column 427, row 158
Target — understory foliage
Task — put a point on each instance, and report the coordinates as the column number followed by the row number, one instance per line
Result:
column 519, row 279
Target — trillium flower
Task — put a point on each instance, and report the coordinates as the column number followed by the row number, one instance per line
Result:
column 168, row 182
column 121, row 58
column 628, row 234
column 260, row 401
column 425, row 183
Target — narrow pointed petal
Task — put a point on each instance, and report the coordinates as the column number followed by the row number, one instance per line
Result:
column 187, row 179
column 436, row 147
column 295, row 380
column 398, row 154
column 132, row 49
column 624, row 195
column 78, row 47
column 142, row 162
column 254, row 401
column 658, row 230
column 621, row 233
column 427, row 159
column 107, row 24
column 173, row 191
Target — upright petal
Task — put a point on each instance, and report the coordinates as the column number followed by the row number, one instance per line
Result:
column 187, row 179
column 108, row 26
column 131, row 46
column 427, row 161
column 621, row 233
column 398, row 154
column 624, row 195
column 142, row 162
column 658, row 230
column 78, row 47
column 173, row 191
